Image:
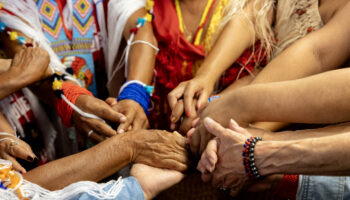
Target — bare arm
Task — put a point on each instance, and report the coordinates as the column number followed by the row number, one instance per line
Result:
column 317, row 99
column 237, row 36
column 155, row 148
column 28, row 66
column 315, row 155
column 140, row 67
column 323, row 50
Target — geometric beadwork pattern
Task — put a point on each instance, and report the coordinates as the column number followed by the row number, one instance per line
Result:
column 82, row 16
column 52, row 22
column 82, row 7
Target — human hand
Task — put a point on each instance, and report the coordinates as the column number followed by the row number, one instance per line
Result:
column 154, row 180
column 220, row 110
column 194, row 93
column 222, row 154
column 12, row 148
column 136, row 118
column 160, row 149
column 31, row 64
column 101, row 109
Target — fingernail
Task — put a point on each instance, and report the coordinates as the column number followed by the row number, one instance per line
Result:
column 121, row 131
column 208, row 120
column 188, row 113
column 31, row 159
column 123, row 119
column 172, row 118
column 234, row 123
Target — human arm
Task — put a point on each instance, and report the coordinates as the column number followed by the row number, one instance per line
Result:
column 274, row 155
column 316, row 99
column 237, row 35
column 28, row 66
column 12, row 147
column 140, row 67
column 322, row 50
column 155, row 148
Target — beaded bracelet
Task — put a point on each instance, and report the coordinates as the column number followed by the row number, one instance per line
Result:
column 248, row 157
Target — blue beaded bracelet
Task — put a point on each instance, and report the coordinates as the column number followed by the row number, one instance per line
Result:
column 138, row 93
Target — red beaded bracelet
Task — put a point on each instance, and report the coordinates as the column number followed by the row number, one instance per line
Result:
column 248, row 157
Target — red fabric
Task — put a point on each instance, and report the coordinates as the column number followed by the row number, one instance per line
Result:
column 72, row 92
column 174, row 50
column 288, row 187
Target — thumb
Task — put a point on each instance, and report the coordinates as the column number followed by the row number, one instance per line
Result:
column 214, row 128
column 235, row 127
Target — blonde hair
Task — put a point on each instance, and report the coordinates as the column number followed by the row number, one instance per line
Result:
column 259, row 19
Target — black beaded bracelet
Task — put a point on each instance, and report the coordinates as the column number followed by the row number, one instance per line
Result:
column 248, row 157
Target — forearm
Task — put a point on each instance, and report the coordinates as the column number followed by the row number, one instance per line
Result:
column 93, row 164
column 317, row 99
column 235, row 38
column 316, row 156
column 11, row 81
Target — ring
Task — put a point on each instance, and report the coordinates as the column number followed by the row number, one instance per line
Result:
column 90, row 132
column 225, row 190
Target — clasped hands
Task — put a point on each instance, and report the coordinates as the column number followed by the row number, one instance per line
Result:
column 221, row 161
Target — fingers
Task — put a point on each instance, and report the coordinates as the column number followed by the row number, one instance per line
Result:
column 189, row 135
column 211, row 155
column 203, row 99
column 139, row 121
column 130, row 115
column 15, row 164
column 188, row 101
column 106, row 112
column 195, row 122
column 111, row 101
column 101, row 127
column 20, row 152
column 214, row 128
column 195, row 141
column 235, row 127
column 176, row 94
column 209, row 158
column 177, row 111
column 175, row 165
column 92, row 136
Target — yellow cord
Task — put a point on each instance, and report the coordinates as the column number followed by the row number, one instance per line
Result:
column 204, row 15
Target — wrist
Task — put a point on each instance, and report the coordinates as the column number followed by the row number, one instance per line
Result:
column 209, row 78
column 16, row 79
column 238, row 107
column 272, row 157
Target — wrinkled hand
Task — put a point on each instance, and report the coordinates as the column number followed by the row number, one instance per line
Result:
column 10, row 150
column 224, row 154
column 194, row 93
column 31, row 64
column 160, row 149
column 101, row 109
column 154, row 180
column 136, row 118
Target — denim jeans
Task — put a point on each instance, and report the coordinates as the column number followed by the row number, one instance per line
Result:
column 323, row 187
column 131, row 190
